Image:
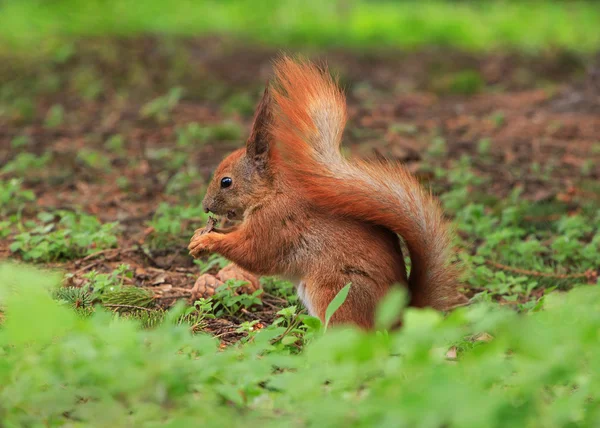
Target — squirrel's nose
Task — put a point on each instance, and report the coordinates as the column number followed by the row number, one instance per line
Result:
column 206, row 207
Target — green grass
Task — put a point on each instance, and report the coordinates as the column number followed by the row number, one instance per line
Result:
column 13, row 197
column 536, row 370
column 470, row 25
column 62, row 235
column 168, row 227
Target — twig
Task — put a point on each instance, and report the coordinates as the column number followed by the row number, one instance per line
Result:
column 588, row 274
column 540, row 218
column 275, row 297
column 228, row 333
column 86, row 267
column 98, row 253
column 108, row 250
column 295, row 322
column 199, row 326
column 250, row 314
column 114, row 305
column 271, row 305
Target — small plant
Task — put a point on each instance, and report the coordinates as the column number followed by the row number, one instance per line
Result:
column 116, row 144
column 462, row 178
column 229, row 300
column 108, row 289
column 241, row 103
column 403, row 128
column 483, row 146
column 93, row 159
column 204, row 306
column 5, row 228
column 124, row 298
column 467, row 82
column 19, row 142
column 23, row 109
column 55, row 116
column 24, row 163
column 295, row 329
column 63, row 235
column 87, row 83
column 172, row 160
column 104, row 283
column 198, row 313
column 192, row 135
column 335, row 304
column 168, row 224
column 214, row 260
column 248, row 327
column 123, row 183
column 498, row 118
column 437, row 148
column 160, row 108
column 227, row 130
column 280, row 288
column 63, row 52
column 13, row 196
column 187, row 182
column 77, row 297
column 587, row 167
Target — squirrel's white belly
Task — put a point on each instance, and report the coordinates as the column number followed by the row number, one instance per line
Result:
column 301, row 290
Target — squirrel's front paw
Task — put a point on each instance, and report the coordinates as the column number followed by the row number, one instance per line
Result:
column 202, row 239
column 201, row 244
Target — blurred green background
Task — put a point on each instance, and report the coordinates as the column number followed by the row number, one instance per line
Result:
column 531, row 25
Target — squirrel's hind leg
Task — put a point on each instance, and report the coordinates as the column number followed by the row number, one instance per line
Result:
column 358, row 308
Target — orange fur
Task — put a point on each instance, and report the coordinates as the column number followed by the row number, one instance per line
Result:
column 309, row 215
column 308, row 126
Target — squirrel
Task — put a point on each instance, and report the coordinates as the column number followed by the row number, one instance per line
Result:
column 307, row 214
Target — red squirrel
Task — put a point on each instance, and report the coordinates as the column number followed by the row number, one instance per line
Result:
column 309, row 215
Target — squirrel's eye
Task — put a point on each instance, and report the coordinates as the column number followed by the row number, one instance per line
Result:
column 226, row 182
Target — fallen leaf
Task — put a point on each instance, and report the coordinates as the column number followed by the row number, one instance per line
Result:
column 483, row 337
column 451, row 354
column 162, row 288
column 160, row 279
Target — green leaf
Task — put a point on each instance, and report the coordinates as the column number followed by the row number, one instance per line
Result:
column 287, row 312
column 288, row 340
column 45, row 217
column 312, row 322
column 390, row 309
column 335, row 304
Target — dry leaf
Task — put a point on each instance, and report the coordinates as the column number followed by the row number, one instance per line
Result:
column 451, row 354
column 483, row 337
column 160, row 279
column 160, row 289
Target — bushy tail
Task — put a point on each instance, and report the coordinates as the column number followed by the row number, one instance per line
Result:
column 310, row 115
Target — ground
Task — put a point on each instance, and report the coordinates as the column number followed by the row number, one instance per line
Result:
column 130, row 131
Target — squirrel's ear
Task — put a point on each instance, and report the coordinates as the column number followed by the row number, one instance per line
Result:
column 257, row 146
